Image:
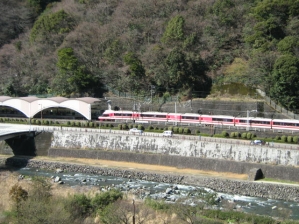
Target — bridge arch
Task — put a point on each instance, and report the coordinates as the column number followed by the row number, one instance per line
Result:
column 32, row 105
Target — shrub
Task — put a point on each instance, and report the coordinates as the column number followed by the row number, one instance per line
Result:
column 232, row 135
column 150, row 127
column 124, row 127
column 68, row 123
column 244, row 135
column 72, row 123
column 38, row 122
column 181, row 130
column 57, row 122
column 284, row 138
column 140, row 127
column 45, row 122
column 295, row 139
column 197, row 132
column 176, row 129
column 290, row 139
column 249, row 135
column 91, row 124
column 100, row 201
column 187, row 131
column 120, row 127
column 224, row 134
column 78, row 124
column 157, row 128
column 277, row 138
column 170, row 128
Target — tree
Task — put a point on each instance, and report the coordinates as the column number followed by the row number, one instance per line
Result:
column 174, row 30
column 285, row 81
column 72, row 77
column 18, row 194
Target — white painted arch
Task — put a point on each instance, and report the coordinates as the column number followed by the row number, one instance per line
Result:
column 32, row 105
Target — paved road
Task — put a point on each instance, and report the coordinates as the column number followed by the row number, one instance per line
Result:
column 5, row 128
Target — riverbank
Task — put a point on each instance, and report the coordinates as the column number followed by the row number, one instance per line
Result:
column 220, row 182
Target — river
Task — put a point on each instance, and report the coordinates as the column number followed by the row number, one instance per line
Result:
column 255, row 205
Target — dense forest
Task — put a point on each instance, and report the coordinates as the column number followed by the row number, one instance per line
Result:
column 78, row 48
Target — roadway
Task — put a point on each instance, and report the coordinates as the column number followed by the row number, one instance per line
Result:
column 6, row 129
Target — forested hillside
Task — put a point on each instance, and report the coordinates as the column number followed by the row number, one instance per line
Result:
column 82, row 47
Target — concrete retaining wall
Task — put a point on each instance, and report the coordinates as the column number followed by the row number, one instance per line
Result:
column 176, row 147
column 269, row 171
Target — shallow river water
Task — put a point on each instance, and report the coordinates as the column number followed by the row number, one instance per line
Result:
column 261, row 206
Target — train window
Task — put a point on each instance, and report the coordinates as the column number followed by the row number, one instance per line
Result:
column 161, row 116
column 285, row 124
column 189, row 118
column 222, row 119
column 242, row 121
column 105, row 115
column 124, row 115
column 260, row 122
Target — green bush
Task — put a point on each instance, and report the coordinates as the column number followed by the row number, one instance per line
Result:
column 78, row 124
column 249, row 135
column 119, row 126
column 57, row 122
column 284, row 138
column 290, row 139
column 181, row 130
column 157, row 128
column 156, row 204
column 277, row 138
column 140, row 127
column 224, row 134
column 80, row 206
column 187, row 131
column 176, row 129
column 232, row 135
column 91, row 124
column 197, row 132
column 72, row 123
column 45, row 122
column 295, row 139
column 170, row 128
column 38, row 122
column 124, row 127
column 100, row 201
column 68, row 123
column 150, row 127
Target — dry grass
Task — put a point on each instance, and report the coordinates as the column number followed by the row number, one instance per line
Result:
column 146, row 167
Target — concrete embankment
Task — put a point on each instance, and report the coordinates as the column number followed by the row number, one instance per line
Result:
column 254, row 189
column 178, row 152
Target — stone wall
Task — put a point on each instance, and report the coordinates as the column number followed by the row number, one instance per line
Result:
column 269, row 171
column 235, row 151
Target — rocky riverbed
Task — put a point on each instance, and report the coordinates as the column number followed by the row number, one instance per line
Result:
column 246, row 188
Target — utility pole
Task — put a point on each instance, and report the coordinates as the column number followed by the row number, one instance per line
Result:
column 152, row 92
column 248, row 124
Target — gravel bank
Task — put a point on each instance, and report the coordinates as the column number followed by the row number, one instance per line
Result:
column 246, row 188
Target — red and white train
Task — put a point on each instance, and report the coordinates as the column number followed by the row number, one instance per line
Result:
column 188, row 118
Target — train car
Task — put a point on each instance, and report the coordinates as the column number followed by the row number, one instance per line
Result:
column 153, row 116
column 174, row 117
column 190, row 118
column 111, row 115
column 253, row 122
column 285, row 124
column 217, row 120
